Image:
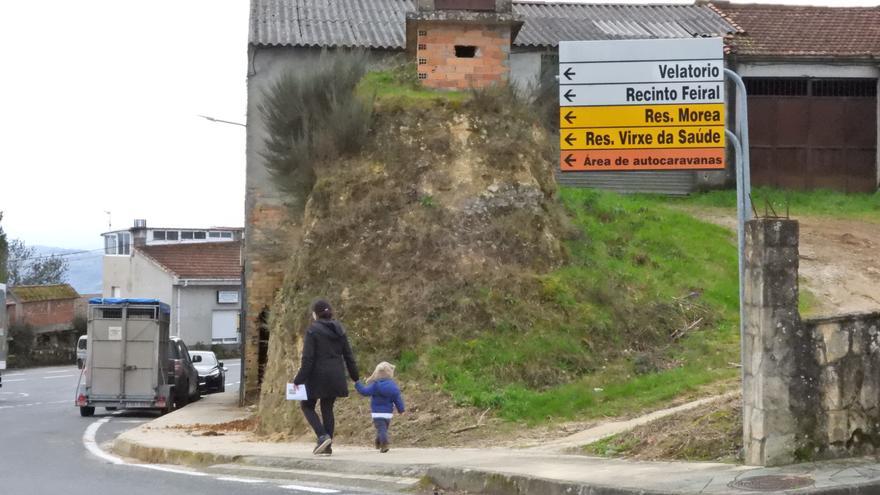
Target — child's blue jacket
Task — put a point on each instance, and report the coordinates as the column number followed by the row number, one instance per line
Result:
column 385, row 396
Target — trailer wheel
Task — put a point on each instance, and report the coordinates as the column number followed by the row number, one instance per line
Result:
column 87, row 411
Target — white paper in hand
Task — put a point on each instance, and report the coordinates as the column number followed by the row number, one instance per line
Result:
column 296, row 393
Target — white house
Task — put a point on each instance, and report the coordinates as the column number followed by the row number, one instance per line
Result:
column 196, row 271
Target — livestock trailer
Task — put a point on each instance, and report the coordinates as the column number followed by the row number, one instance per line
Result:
column 127, row 358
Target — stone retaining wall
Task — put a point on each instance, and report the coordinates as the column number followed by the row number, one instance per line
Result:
column 811, row 388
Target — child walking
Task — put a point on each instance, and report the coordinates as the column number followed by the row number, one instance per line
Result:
column 385, row 397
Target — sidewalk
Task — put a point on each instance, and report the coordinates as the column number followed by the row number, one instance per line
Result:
column 490, row 470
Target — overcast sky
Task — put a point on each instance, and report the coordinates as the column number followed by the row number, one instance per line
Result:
column 99, row 105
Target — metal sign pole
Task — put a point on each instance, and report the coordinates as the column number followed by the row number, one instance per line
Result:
column 740, row 142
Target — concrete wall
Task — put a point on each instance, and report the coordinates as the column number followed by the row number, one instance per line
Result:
column 525, row 69
column 811, row 389
column 136, row 276
column 197, row 304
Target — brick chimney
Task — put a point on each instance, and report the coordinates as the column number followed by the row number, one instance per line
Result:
column 461, row 44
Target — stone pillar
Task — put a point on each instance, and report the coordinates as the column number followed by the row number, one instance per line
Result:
column 771, row 336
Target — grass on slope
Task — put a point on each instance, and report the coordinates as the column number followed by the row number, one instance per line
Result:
column 399, row 87
column 819, row 202
column 638, row 269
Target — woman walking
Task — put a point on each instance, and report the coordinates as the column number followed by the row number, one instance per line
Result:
column 325, row 358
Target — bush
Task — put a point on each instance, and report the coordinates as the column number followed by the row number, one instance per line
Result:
column 314, row 117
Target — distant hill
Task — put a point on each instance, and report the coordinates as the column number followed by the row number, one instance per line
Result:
column 86, row 269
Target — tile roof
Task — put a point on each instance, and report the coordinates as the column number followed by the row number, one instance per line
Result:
column 805, row 31
column 382, row 23
column 206, row 260
column 34, row 293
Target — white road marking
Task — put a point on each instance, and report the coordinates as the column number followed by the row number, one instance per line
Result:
column 65, row 371
column 92, row 446
column 15, row 380
column 240, row 480
column 57, row 376
column 308, row 489
column 294, row 472
column 167, row 469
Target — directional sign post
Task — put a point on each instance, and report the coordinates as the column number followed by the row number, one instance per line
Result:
column 641, row 105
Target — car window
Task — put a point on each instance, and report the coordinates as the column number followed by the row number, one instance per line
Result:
column 82, row 344
column 184, row 352
column 173, row 351
column 208, row 358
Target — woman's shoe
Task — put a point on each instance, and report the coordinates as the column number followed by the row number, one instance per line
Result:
column 383, row 447
column 323, row 443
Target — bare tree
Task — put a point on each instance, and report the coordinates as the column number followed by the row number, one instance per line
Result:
column 26, row 267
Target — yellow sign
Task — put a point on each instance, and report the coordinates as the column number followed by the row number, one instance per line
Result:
column 603, row 138
column 641, row 116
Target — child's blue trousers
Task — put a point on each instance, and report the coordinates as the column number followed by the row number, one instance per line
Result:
column 381, row 425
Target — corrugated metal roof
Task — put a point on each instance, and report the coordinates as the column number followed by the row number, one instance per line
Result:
column 330, row 23
column 382, row 23
column 548, row 23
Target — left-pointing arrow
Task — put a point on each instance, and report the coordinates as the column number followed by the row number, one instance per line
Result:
column 569, row 117
column 569, row 95
column 569, row 160
column 568, row 73
column 570, row 139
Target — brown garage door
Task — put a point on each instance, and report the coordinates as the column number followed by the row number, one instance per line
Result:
column 813, row 133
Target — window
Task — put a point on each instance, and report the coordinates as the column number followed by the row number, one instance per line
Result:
column 214, row 235
column 465, row 51
column 226, row 235
column 110, row 244
column 219, row 235
column 115, row 292
column 187, row 235
column 171, row 235
column 123, row 243
column 117, row 244
column 158, row 235
column 423, row 75
column 199, row 235
column 423, row 61
column 423, row 33
column 423, row 46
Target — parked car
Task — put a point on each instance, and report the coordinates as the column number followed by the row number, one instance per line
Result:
column 82, row 350
column 212, row 373
column 182, row 373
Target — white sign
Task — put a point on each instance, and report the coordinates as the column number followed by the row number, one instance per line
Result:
column 296, row 392
column 227, row 297
column 689, row 93
column 114, row 333
column 612, row 72
column 684, row 49
column 628, row 105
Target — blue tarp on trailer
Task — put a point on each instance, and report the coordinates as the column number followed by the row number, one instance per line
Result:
column 122, row 301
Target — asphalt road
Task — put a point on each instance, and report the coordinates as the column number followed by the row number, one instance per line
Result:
column 43, row 447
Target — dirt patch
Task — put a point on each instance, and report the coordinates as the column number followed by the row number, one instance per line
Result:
column 235, row 426
column 712, row 432
column 839, row 265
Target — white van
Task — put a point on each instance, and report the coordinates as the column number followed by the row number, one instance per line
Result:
column 82, row 350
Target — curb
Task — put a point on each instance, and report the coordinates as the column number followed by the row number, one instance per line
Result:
column 492, row 483
column 445, row 477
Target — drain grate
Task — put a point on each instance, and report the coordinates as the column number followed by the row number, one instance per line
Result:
column 772, row 483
